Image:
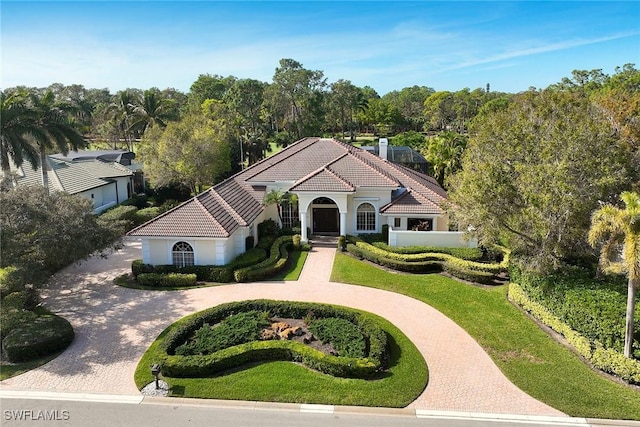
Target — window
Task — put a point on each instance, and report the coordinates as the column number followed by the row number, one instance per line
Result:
column 397, row 222
column 182, row 254
column 366, row 217
column 290, row 216
column 420, row 224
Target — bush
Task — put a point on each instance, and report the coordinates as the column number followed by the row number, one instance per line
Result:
column 251, row 257
column 278, row 258
column 12, row 318
column 410, row 267
column 170, row 280
column 188, row 366
column 342, row 243
column 26, row 299
column 296, row 241
column 594, row 307
column 249, row 243
column 236, row 329
column 345, row 337
column 470, row 254
column 268, row 228
column 147, row 214
column 608, row 360
column 124, row 216
column 45, row 335
column 139, row 201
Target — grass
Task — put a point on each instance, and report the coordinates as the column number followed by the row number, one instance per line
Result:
column 293, row 270
column 290, row 382
column 8, row 370
column 528, row 356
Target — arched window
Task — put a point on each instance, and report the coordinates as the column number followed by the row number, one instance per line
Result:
column 366, row 217
column 182, row 254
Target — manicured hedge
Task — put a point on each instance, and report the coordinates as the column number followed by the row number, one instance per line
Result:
column 345, row 337
column 594, row 307
column 278, row 258
column 44, row 335
column 184, row 366
column 429, row 262
column 608, row 360
column 470, row 254
column 170, row 280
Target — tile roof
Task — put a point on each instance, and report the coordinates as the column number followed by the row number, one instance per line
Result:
column 411, row 202
column 311, row 164
column 71, row 177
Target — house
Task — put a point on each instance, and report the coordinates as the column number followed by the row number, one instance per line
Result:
column 104, row 183
column 341, row 189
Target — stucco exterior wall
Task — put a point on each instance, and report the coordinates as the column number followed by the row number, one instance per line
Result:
column 447, row 239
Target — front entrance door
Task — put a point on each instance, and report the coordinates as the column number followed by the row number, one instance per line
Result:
column 326, row 220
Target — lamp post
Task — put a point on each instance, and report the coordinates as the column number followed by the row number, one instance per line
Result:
column 155, row 371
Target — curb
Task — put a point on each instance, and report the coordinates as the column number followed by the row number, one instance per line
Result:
column 318, row 409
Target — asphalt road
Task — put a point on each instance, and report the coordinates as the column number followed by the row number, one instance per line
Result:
column 150, row 412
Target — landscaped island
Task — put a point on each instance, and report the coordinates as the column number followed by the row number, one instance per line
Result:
column 342, row 348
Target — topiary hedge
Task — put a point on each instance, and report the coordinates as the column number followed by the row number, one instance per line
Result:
column 43, row 336
column 278, row 258
column 429, row 262
column 470, row 254
column 170, row 280
column 185, row 366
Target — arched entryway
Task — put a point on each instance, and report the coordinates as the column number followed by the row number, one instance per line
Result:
column 325, row 217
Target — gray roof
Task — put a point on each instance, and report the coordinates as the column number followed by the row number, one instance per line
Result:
column 71, row 177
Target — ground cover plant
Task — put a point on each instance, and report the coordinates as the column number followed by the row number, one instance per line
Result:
column 527, row 355
column 400, row 382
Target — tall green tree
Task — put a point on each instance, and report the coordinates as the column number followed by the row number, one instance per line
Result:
column 194, row 151
column 44, row 232
column 410, row 102
column 151, row 109
column 533, row 172
column 618, row 231
column 279, row 198
column 298, row 94
column 54, row 129
column 444, row 153
column 17, row 122
column 120, row 114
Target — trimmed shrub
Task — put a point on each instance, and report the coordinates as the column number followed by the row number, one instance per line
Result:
column 268, row 228
column 342, row 243
column 470, row 254
column 410, row 267
column 608, row 360
column 296, row 241
column 464, row 273
column 26, row 299
column 188, row 366
column 204, row 273
column 10, row 280
column 249, row 243
column 234, row 330
column 12, row 318
column 251, row 257
column 167, row 280
column 45, row 335
column 278, row 258
column 345, row 337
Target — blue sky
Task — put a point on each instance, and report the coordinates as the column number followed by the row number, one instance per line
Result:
column 387, row 45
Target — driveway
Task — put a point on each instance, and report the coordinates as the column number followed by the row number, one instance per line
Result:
column 115, row 325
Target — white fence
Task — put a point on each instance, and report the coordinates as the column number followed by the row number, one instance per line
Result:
column 446, row 239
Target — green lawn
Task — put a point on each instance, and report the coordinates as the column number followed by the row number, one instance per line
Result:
column 289, row 382
column 528, row 356
column 8, row 370
column 293, row 270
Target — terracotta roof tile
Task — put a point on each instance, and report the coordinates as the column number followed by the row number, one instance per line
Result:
column 190, row 219
column 411, row 202
column 323, row 180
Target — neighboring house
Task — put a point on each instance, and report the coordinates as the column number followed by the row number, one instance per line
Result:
column 105, row 184
column 341, row 189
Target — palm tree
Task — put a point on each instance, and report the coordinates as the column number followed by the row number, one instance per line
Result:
column 619, row 231
column 53, row 129
column 278, row 198
column 17, row 122
column 120, row 112
column 150, row 110
column 444, row 153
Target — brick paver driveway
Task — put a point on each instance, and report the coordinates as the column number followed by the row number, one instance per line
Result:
column 115, row 325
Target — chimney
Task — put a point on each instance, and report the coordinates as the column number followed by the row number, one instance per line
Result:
column 383, row 146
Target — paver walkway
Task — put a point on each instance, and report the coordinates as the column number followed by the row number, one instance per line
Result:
column 115, row 325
